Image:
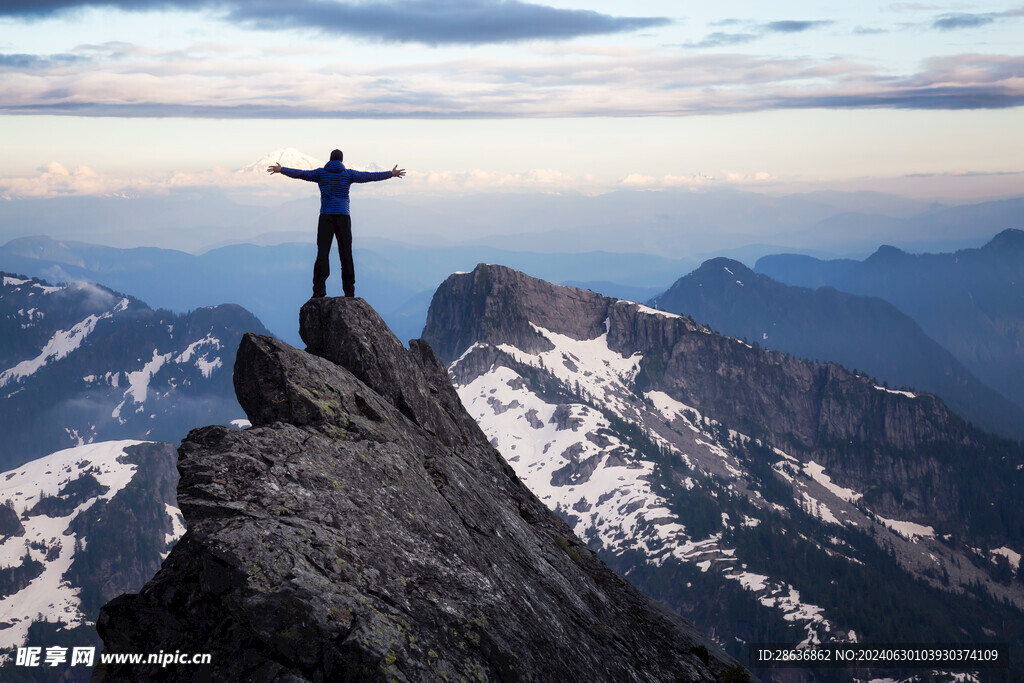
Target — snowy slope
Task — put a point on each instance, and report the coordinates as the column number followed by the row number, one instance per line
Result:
column 53, row 497
column 569, row 455
column 80, row 363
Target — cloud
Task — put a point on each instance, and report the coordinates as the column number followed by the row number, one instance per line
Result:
column 55, row 180
column 721, row 38
column 964, row 174
column 696, row 181
column 718, row 39
column 131, row 81
column 910, row 7
column 867, row 31
column 956, row 21
column 36, row 9
column 951, row 22
column 793, row 26
column 430, row 22
column 31, row 62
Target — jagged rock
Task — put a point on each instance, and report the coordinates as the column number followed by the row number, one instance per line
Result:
column 10, row 525
column 563, row 419
column 364, row 529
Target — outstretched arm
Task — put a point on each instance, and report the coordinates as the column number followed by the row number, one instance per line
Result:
column 372, row 176
column 311, row 176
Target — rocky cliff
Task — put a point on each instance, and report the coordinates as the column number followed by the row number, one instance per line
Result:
column 365, row 529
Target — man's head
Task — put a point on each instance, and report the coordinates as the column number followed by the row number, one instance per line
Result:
column 336, row 155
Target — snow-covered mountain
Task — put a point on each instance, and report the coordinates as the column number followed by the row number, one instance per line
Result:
column 289, row 157
column 763, row 497
column 77, row 528
column 80, row 363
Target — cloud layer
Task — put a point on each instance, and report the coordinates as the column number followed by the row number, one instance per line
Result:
column 429, row 22
column 55, row 180
column 960, row 20
column 754, row 31
column 213, row 82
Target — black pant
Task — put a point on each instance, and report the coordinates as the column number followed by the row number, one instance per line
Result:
column 334, row 226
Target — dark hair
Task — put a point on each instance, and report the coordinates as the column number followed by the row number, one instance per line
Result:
column 336, row 155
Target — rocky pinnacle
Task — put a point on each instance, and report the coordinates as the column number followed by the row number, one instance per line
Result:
column 364, row 529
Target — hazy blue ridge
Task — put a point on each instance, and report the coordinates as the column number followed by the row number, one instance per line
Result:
column 970, row 301
column 864, row 333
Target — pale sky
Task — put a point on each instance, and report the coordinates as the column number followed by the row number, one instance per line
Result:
column 135, row 96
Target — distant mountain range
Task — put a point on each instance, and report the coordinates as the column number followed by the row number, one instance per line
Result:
column 864, row 333
column 768, row 499
column 971, row 301
column 676, row 222
column 273, row 281
column 81, row 363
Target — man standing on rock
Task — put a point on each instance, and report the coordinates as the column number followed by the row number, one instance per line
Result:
column 335, row 222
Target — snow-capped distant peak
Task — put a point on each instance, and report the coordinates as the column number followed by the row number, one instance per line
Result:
column 289, row 157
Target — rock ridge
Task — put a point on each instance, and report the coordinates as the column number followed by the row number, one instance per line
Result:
column 364, row 529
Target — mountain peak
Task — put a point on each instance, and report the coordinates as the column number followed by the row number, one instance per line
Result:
column 364, row 528
column 887, row 253
column 1011, row 238
column 289, row 157
column 724, row 267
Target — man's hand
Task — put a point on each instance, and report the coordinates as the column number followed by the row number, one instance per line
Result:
column 397, row 172
column 276, row 168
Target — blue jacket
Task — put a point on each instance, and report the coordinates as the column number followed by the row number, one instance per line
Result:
column 334, row 180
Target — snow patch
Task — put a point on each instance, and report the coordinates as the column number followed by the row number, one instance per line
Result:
column 1013, row 557
column 751, row 581
column 177, row 527
column 138, row 381
column 203, row 362
column 908, row 530
column 207, row 367
column 894, row 391
column 59, row 346
column 816, row 508
column 606, row 369
column 654, row 311
column 817, row 473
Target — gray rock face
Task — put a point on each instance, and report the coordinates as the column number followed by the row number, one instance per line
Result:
column 364, row 529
